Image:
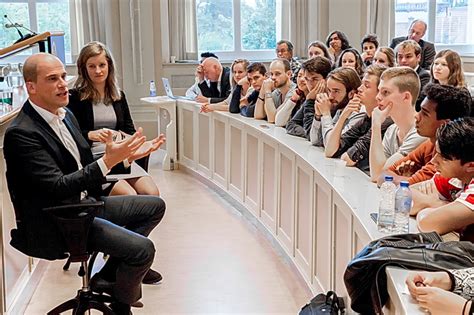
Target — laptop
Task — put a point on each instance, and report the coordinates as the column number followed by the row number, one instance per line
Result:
column 169, row 91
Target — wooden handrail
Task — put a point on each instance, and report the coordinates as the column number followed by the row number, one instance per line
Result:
column 28, row 42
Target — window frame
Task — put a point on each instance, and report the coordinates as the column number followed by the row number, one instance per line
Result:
column 239, row 52
column 32, row 16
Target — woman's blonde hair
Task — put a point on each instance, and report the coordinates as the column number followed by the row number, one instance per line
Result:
column 245, row 64
column 84, row 84
column 456, row 74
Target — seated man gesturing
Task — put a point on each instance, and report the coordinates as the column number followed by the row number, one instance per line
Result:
column 49, row 163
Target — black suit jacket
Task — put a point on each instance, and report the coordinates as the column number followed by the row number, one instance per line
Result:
column 225, row 88
column 428, row 51
column 41, row 173
column 425, row 78
column 84, row 114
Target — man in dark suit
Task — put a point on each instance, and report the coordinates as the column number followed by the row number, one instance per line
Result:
column 416, row 32
column 408, row 54
column 49, row 163
column 219, row 81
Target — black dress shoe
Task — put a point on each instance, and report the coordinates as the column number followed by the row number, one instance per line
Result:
column 99, row 285
column 120, row 308
column 152, row 277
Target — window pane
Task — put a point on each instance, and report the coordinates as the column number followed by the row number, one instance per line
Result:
column 215, row 25
column 54, row 16
column 406, row 11
column 452, row 21
column 18, row 13
column 258, row 24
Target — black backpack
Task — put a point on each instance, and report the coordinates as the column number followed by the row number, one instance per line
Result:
column 324, row 304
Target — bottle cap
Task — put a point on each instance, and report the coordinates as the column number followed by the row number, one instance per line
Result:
column 388, row 178
column 404, row 183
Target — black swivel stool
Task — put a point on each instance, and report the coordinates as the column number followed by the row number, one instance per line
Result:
column 74, row 222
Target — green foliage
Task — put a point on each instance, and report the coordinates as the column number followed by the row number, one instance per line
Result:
column 215, row 25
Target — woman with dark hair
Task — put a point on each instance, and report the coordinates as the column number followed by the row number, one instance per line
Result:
column 99, row 105
column 350, row 58
column 369, row 45
column 337, row 42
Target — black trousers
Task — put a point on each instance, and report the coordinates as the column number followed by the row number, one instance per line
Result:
column 121, row 231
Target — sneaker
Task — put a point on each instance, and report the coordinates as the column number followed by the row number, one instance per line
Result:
column 152, row 277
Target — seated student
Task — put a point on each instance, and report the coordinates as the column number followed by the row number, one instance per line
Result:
column 275, row 91
column 284, row 50
column 447, row 200
column 447, row 69
column 342, row 84
column 350, row 58
column 398, row 91
column 443, row 292
column 99, row 105
column 318, row 48
column 337, row 42
column 256, row 75
column 384, row 56
column 219, row 81
column 442, row 104
column 194, row 90
column 409, row 54
column 353, row 146
column 288, row 109
column 315, row 73
column 239, row 71
column 49, row 163
column 369, row 45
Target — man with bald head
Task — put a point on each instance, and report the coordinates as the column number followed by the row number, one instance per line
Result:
column 416, row 31
column 218, row 78
column 49, row 163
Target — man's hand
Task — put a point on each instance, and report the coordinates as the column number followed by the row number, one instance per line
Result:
column 323, row 104
column 147, row 147
column 349, row 162
column 407, row 168
column 353, row 106
column 268, row 86
column 202, row 99
column 379, row 116
column 116, row 152
column 320, row 87
column 199, row 73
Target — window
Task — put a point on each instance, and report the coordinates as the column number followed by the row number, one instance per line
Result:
column 238, row 28
column 450, row 22
column 37, row 15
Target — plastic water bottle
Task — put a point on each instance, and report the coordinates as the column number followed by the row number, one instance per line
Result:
column 387, row 205
column 402, row 208
column 152, row 88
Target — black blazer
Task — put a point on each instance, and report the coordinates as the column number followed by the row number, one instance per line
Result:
column 41, row 173
column 225, row 87
column 428, row 51
column 84, row 114
column 425, row 78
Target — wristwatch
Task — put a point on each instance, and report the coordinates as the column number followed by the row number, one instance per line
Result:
column 261, row 98
column 268, row 94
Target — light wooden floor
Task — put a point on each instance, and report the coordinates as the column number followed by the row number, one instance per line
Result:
column 213, row 261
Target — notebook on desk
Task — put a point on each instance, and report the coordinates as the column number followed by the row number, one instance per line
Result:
column 169, row 91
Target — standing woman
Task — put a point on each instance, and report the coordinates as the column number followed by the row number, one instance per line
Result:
column 98, row 104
